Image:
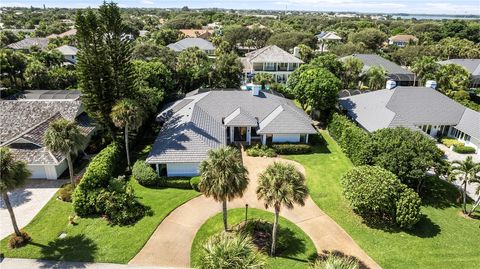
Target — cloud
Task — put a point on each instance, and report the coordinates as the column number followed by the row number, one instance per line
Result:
column 147, row 2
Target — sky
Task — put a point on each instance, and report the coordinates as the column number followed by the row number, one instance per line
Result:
column 457, row 7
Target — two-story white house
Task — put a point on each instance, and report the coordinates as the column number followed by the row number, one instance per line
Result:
column 272, row 60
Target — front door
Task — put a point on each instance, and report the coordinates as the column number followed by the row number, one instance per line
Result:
column 240, row 134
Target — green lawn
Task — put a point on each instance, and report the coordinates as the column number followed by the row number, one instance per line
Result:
column 442, row 239
column 92, row 239
column 297, row 255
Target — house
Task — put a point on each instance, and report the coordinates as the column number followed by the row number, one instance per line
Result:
column 201, row 33
column 400, row 75
column 325, row 37
column 473, row 67
column 25, row 119
column 402, row 40
column 69, row 53
column 29, row 42
column 70, row 32
column 418, row 108
column 272, row 60
column 191, row 42
column 207, row 119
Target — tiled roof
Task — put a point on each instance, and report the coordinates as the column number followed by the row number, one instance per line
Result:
column 64, row 34
column 393, row 70
column 403, row 38
column 33, row 154
column 470, row 123
column 196, row 32
column 29, row 42
column 67, row 50
column 190, row 43
column 472, row 65
column 328, row 36
column 283, row 120
column 271, row 54
column 240, row 117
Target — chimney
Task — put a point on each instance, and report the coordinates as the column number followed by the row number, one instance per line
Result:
column 296, row 52
column 256, row 89
column 431, row 84
column 391, row 84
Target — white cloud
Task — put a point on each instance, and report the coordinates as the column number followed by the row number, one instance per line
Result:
column 147, row 2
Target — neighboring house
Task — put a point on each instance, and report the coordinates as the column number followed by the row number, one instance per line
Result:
column 473, row 67
column 69, row 53
column 29, row 42
column 201, row 33
column 24, row 121
column 70, row 32
column 326, row 37
column 272, row 60
column 208, row 119
column 418, row 108
column 395, row 72
column 190, row 42
column 402, row 40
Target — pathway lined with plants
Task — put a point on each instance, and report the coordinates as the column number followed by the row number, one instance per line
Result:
column 171, row 243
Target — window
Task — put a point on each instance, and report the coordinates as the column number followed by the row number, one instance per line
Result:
column 269, row 66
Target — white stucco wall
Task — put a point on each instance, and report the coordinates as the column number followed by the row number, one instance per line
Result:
column 182, row 169
column 282, row 138
column 47, row 171
column 38, row 171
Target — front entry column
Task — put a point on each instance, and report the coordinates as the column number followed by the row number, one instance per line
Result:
column 231, row 134
column 264, row 139
column 306, row 139
column 157, row 167
column 249, row 135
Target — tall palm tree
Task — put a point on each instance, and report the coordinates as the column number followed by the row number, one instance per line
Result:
column 63, row 136
column 223, row 177
column 466, row 172
column 127, row 114
column 13, row 174
column 281, row 185
column 425, row 68
column 376, row 77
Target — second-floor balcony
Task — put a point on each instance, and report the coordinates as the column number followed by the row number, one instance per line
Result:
column 275, row 67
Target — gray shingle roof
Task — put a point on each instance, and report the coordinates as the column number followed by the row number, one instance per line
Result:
column 198, row 122
column 67, row 50
column 271, row 54
column 409, row 107
column 472, row 65
column 190, row 43
column 393, row 70
column 29, row 42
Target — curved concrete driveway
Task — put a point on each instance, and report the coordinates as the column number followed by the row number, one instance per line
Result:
column 171, row 242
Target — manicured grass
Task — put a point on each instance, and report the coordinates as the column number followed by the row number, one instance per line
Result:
column 298, row 254
column 442, row 238
column 93, row 239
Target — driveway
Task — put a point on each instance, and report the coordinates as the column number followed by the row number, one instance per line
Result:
column 171, row 243
column 27, row 202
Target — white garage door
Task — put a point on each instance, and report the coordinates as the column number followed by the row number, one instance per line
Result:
column 37, row 171
column 182, row 169
column 283, row 138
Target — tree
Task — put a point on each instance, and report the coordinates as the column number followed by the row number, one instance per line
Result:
column 425, row 68
column 330, row 62
column 153, row 81
column 352, row 70
column 223, row 177
column 372, row 38
column 466, row 172
column 281, row 185
column 226, row 71
column 192, row 69
column 13, row 175
column 249, row 43
column 376, row 77
column 36, row 75
column 292, row 88
column 320, row 89
column 165, row 36
column 289, row 40
column 62, row 78
column 306, row 53
column 64, row 137
column 349, row 48
column 104, row 68
column 13, row 64
column 263, row 79
column 334, row 261
column 452, row 78
column 129, row 115
column 225, row 251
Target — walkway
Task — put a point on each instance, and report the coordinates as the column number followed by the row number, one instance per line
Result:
column 9, row 263
column 171, row 243
column 27, row 202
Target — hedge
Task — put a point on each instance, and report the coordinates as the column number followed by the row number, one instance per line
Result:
column 464, row 149
column 194, row 181
column 176, row 182
column 260, row 151
column 102, row 168
column 144, row 174
column 288, row 148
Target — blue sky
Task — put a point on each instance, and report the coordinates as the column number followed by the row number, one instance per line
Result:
column 386, row 6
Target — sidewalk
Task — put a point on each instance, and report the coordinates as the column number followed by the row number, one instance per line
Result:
column 9, row 263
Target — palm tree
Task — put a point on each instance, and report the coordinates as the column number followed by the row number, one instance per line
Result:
column 281, row 185
column 63, row 136
column 476, row 203
column 249, row 43
column 376, row 78
column 425, row 68
column 127, row 114
column 466, row 172
column 13, row 174
column 223, row 177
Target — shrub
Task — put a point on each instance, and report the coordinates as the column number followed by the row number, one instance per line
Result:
column 464, row 149
column 260, row 151
column 194, row 181
column 230, row 251
column 450, row 142
column 408, row 208
column 121, row 208
column 16, row 241
column 65, row 192
column 144, row 174
column 176, row 182
column 333, row 261
column 287, row 148
column 261, row 233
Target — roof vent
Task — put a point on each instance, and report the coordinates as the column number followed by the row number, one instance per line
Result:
column 296, row 52
column 431, row 84
column 391, row 84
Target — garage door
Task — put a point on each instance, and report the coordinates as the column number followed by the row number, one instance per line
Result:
column 37, row 171
column 182, row 169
